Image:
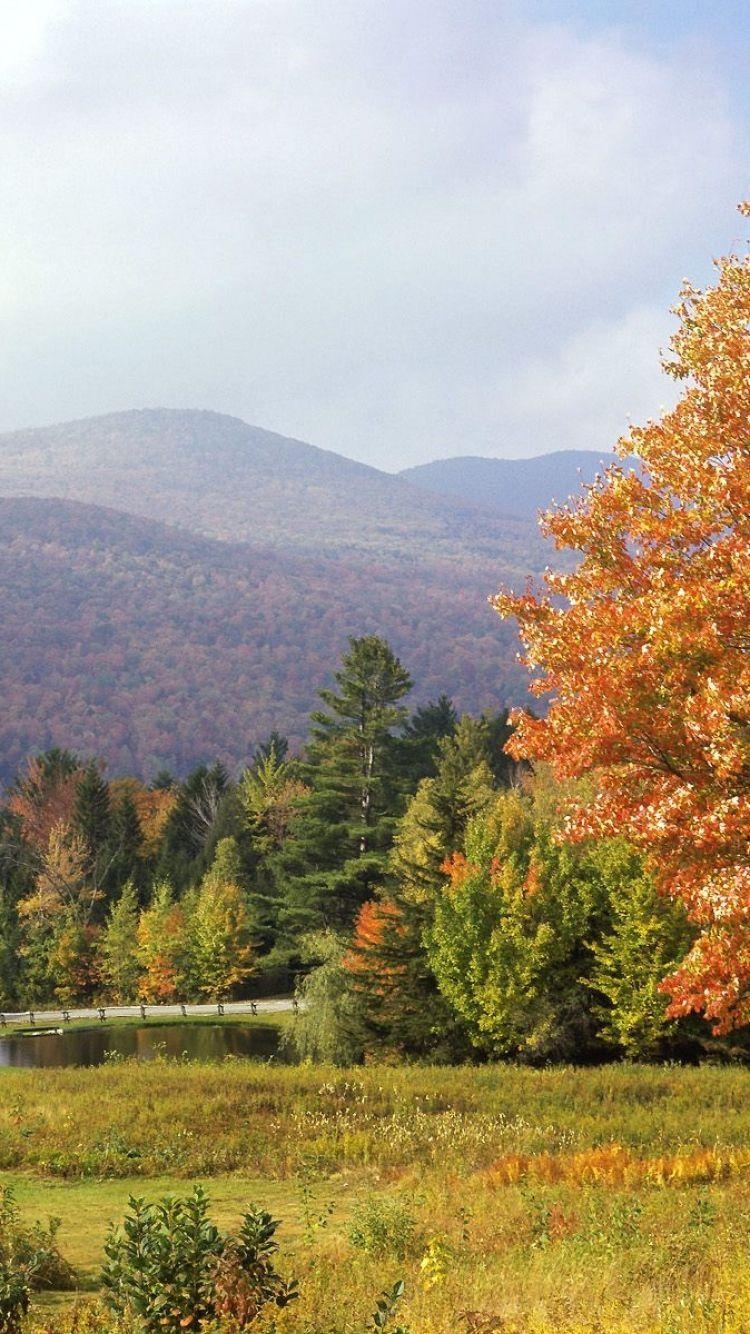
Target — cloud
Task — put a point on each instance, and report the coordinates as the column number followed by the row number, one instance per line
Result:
column 397, row 230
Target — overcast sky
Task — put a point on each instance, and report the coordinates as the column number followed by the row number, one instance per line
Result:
column 400, row 229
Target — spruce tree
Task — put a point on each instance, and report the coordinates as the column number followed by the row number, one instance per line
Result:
column 92, row 822
column 338, row 851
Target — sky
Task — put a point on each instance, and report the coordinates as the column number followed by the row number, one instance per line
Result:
column 399, row 229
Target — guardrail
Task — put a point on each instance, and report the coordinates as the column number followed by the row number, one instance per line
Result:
column 144, row 1011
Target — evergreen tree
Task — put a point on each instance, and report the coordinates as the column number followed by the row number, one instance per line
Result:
column 125, row 863
column 338, row 849
column 419, row 746
column 401, row 1008
column 191, row 824
column 649, row 935
column 92, row 822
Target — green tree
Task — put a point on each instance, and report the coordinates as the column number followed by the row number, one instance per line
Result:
column 125, row 861
column 92, row 822
column 119, row 962
column 402, row 1009
column 648, row 936
column 417, row 749
column 511, row 932
column 221, row 947
column 328, row 1027
column 186, row 848
column 339, row 846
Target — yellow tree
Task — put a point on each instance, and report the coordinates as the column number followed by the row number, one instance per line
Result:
column 221, row 949
column 645, row 647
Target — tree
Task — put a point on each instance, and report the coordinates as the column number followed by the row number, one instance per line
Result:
column 510, row 936
column 221, row 949
column 92, row 818
column 162, row 947
column 119, row 962
column 338, row 849
column 327, row 1029
column 418, row 746
column 44, row 795
column 647, row 936
column 402, row 1009
column 645, row 647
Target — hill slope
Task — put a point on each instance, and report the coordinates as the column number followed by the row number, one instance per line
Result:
column 520, row 487
column 218, row 476
column 150, row 646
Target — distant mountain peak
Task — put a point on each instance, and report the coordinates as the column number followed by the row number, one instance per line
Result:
column 520, row 487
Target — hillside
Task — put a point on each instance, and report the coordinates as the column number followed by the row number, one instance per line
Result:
column 152, row 646
column 217, row 476
column 520, row 487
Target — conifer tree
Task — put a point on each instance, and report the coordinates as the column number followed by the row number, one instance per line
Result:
column 125, row 860
column 338, row 850
column 401, row 1008
column 92, row 822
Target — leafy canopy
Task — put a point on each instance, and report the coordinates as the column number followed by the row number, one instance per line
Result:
column 644, row 646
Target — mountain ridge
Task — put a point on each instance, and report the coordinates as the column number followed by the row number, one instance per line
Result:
column 518, row 487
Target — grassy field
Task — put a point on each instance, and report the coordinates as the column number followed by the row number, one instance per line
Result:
column 610, row 1199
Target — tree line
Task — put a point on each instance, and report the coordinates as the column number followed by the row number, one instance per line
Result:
column 403, row 872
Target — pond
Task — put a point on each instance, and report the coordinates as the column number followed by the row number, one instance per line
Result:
column 92, row 1046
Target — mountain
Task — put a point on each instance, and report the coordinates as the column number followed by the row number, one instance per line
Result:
column 520, row 487
column 217, row 476
column 152, row 646
column 175, row 584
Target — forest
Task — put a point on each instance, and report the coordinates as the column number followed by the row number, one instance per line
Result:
column 403, row 873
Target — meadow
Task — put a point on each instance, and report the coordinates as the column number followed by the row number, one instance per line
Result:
column 614, row 1198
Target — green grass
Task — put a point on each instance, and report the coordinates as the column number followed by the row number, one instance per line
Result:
column 547, row 1200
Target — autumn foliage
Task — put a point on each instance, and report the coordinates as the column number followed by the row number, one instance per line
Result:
column 645, row 645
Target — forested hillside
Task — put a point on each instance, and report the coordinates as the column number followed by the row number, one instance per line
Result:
column 520, row 487
column 218, row 476
column 149, row 646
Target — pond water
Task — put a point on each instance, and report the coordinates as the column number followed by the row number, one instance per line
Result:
column 92, row 1046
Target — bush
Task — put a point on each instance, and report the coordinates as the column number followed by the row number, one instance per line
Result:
column 29, row 1259
column 383, row 1227
column 170, row 1267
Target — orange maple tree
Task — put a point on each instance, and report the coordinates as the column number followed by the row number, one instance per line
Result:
column 645, row 646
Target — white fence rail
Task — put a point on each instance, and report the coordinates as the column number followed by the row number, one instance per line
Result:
column 64, row 1015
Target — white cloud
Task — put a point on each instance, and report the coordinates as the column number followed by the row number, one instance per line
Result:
column 398, row 230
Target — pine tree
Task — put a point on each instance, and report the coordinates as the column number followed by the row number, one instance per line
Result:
column 125, row 863
column 401, row 1008
column 418, row 748
column 339, row 846
column 92, row 822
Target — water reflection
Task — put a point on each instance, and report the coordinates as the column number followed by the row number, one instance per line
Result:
column 90, row 1046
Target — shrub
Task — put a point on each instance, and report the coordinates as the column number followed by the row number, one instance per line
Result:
column 171, row 1267
column 383, row 1227
column 29, row 1259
